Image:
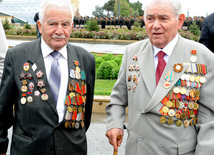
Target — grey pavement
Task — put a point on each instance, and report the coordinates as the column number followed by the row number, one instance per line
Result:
column 97, row 142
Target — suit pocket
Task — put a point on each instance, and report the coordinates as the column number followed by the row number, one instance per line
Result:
column 187, row 146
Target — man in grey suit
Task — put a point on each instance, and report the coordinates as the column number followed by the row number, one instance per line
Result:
column 50, row 84
column 171, row 112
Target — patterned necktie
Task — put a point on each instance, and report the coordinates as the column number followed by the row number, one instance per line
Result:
column 161, row 65
column 55, row 75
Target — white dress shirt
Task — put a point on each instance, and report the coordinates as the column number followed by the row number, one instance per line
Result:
column 167, row 49
column 48, row 59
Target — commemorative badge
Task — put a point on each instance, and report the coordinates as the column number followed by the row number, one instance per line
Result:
column 178, row 67
column 26, row 67
column 22, row 76
column 39, row 74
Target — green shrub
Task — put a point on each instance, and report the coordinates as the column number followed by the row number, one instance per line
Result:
column 115, row 69
column 98, row 61
column 27, row 26
column 107, row 57
column 194, row 29
column 105, row 70
column 92, row 25
column 6, row 25
column 118, row 59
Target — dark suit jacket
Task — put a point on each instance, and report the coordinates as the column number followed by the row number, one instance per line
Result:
column 35, row 125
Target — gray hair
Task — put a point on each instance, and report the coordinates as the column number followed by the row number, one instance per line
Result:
column 176, row 6
column 57, row 3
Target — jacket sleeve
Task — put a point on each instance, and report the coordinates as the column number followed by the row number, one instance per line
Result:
column 205, row 125
column 7, row 95
column 116, row 109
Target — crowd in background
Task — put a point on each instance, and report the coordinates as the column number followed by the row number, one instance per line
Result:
column 128, row 21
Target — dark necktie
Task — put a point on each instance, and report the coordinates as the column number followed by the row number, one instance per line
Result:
column 161, row 65
column 55, row 75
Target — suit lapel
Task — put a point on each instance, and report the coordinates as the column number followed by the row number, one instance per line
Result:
column 36, row 58
column 146, row 62
column 176, row 57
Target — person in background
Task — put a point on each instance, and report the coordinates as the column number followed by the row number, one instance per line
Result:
column 36, row 18
column 3, row 49
column 207, row 32
column 51, row 85
column 166, row 81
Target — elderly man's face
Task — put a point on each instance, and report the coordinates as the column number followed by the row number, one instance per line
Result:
column 161, row 24
column 56, row 27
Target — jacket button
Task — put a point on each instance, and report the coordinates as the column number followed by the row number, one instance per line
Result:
column 160, row 144
column 140, row 138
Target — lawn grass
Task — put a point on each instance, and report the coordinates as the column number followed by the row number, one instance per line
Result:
column 103, row 87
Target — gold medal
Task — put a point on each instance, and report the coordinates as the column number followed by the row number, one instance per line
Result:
column 192, row 121
column 24, row 89
column 190, row 105
column 183, row 115
column 43, row 90
column 66, row 124
column 70, row 109
column 197, row 79
column 82, row 124
column 178, row 114
column 183, row 91
column 169, row 104
column 177, row 105
column 163, row 119
column 24, row 82
column 197, row 93
column 178, row 123
column 192, row 93
column 191, row 113
column 165, row 109
column 170, row 121
column 196, row 106
column 26, row 67
column 176, row 90
column 80, row 109
column 192, row 78
column 186, row 123
column 44, row 97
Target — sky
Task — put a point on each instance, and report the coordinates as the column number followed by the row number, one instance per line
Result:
column 195, row 7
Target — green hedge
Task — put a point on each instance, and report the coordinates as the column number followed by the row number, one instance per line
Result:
column 107, row 66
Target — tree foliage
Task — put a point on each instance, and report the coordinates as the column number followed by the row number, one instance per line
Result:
column 137, row 6
column 98, row 12
column 109, row 6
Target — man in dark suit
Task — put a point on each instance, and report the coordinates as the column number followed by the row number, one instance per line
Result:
column 52, row 110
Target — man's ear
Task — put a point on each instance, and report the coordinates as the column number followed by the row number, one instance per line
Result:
column 181, row 19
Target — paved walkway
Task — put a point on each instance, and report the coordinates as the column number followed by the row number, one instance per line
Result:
column 97, row 142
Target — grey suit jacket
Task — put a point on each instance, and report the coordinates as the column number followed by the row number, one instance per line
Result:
column 35, row 125
column 146, row 135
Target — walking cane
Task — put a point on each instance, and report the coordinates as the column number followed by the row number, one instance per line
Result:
column 118, row 138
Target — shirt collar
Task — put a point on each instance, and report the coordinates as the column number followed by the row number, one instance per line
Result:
column 168, row 48
column 46, row 50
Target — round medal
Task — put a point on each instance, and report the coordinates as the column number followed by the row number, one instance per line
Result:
column 197, row 93
column 24, row 89
column 195, row 106
column 178, row 114
column 186, row 123
column 70, row 109
column 166, row 85
column 183, row 115
column 66, row 124
column 44, row 97
column 178, row 123
column 190, row 105
column 169, row 104
column 193, row 59
column 170, row 121
column 181, row 105
column 192, row 78
column 197, row 79
column 171, row 113
column 183, row 91
column 29, row 99
column 23, row 100
column 77, row 125
column 176, row 90
column 80, row 109
column 162, row 119
column 82, row 124
column 192, row 93
column 165, row 109
column 202, row 79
